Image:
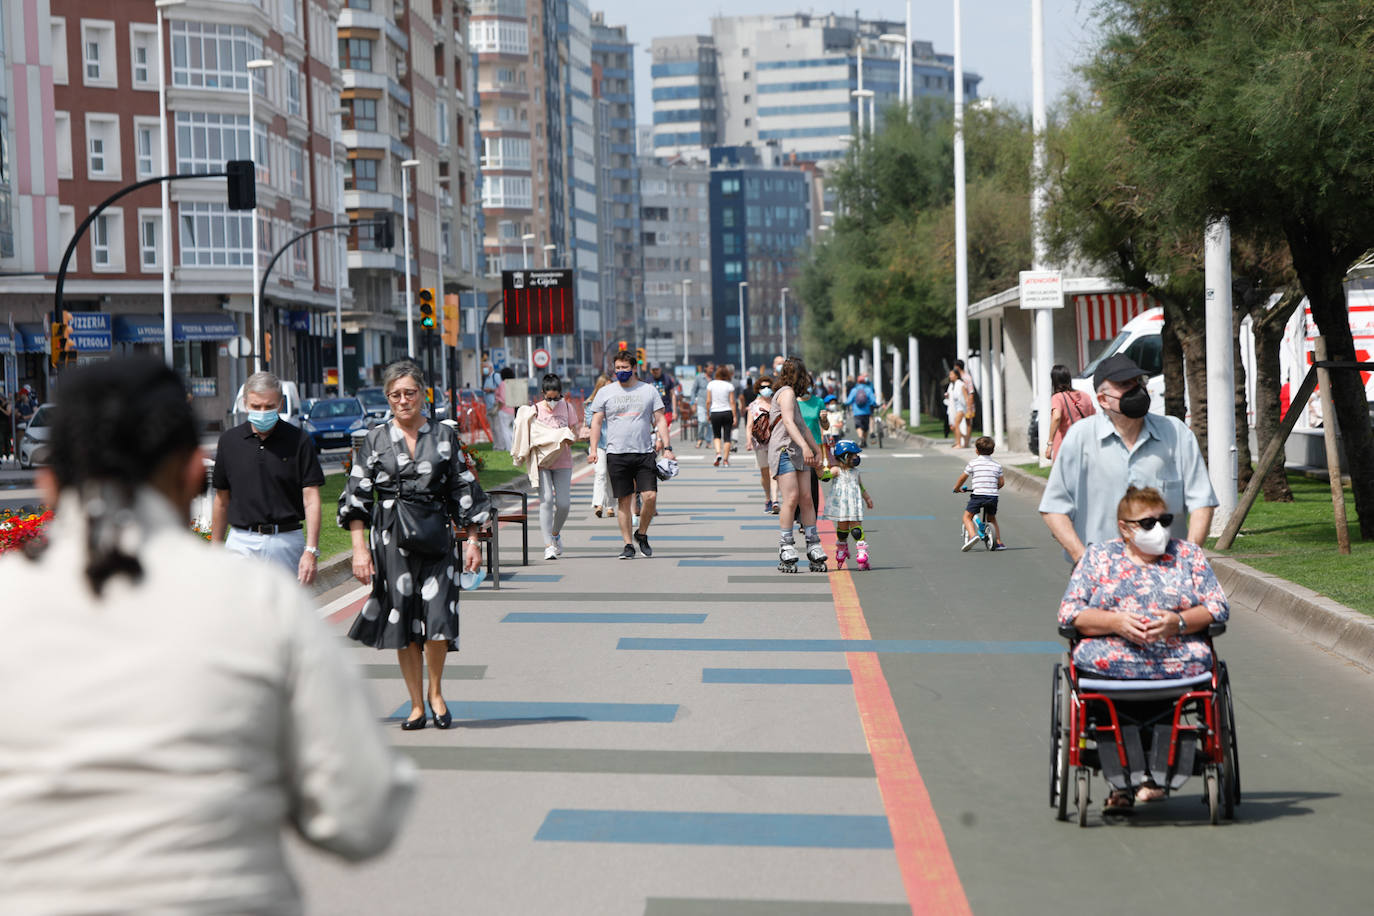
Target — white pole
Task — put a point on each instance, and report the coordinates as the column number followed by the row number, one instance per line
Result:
column 1044, row 318
column 861, row 89
column 1221, row 377
column 906, row 90
column 405, row 224
column 257, row 296
column 999, row 406
column 913, row 358
column 784, row 320
column 686, row 285
column 439, row 293
column 984, row 372
column 529, row 340
column 166, row 197
column 877, row 371
column 340, row 258
column 960, row 204
column 743, row 357
column 897, row 381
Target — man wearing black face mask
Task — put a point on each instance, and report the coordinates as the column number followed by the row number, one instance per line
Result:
column 1124, row 445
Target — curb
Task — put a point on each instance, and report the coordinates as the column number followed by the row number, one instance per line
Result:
column 1336, row 628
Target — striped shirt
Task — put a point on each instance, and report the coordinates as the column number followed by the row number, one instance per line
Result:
column 983, row 474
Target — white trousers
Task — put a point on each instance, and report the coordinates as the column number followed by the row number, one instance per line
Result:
column 283, row 549
column 601, row 486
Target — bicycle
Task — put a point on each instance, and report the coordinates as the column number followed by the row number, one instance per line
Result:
column 980, row 525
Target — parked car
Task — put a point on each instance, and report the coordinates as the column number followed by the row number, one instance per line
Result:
column 374, row 402
column 330, row 421
column 36, row 439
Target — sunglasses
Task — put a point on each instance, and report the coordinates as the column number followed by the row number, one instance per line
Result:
column 1149, row 522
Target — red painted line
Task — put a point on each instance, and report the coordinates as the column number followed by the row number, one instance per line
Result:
column 928, row 873
column 345, row 613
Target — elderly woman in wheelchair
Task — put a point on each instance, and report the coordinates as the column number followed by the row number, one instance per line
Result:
column 1140, row 695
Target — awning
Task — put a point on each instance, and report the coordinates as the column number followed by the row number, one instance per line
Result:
column 195, row 328
column 33, row 338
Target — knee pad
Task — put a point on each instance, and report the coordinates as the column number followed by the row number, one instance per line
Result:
column 842, row 535
column 857, row 532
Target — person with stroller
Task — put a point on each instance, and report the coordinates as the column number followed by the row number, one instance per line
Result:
column 1142, row 603
column 845, row 507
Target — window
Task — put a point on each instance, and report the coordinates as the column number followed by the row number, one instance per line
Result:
column 102, row 148
column 59, row 50
column 66, row 228
column 290, row 16
column 443, row 131
column 147, row 148
column 143, row 45
column 62, row 122
column 98, row 53
column 362, row 175
column 506, row 153
column 506, row 191
column 295, row 169
column 107, row 241
column 212, row 56
column 355, row 54
column 149, row 240
column 206, row 141
column 214, row 236
column 363, row 114
column 293, row 90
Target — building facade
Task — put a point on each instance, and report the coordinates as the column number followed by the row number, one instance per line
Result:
column 613, row 56
column 686, row 95
column 676, row 234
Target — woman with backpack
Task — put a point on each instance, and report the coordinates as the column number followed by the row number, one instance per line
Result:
column 1067, row 407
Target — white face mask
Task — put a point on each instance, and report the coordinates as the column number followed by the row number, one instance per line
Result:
column 1152, row 543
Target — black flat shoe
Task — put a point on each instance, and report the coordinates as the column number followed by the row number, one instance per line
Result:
column 414, row 725
column 445, row 720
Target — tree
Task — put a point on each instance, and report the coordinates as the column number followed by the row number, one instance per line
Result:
column 1259, row 110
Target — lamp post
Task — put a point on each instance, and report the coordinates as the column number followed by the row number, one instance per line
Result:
column 406, row 166
column 548, row 338
column 960, row 205
column 166, row 186
column 686, row 285
column 743, row 358
column 443, row 251
column 861, row 95
column 529, row 339
column 895, row 38
column 785, row 291
column 258, row 64
column 340, row 255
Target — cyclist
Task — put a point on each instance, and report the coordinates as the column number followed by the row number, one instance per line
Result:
column 861, row 401
column 985, row 477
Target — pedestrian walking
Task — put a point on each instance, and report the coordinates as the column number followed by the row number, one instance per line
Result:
column 267, row 483
column 724, row 411
column 601, row 488
column 861, row 400
column 845, row 506
column 667, row 387
column 956, row 406
column 555, row 474
column 1067, row 407
column 409, row 488
column 156, row 774
column 791, row 454
column 1123, row 445
column 762, row 405
column 630, row 411
column 702, row 403
column 513, row 394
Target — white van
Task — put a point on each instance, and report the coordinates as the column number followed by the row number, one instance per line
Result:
column 290, row 405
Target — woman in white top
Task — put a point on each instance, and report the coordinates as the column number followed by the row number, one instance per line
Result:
column 956, row 401
column 724, row 412
column 209, row 709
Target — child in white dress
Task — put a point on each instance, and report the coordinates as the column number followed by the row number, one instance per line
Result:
column 845, row 506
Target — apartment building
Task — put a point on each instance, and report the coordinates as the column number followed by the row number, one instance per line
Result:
column 613, row 56
column 583, row 252
column 686, row 94
column 676, row 234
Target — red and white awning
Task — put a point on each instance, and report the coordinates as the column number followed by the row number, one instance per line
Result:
column 1101, row 316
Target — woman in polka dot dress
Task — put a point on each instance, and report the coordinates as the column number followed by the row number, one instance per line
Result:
column 414, row 600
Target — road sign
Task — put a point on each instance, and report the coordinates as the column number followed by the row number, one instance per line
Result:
column 1042, row 289
column 499, row 358
column 240, row 347
column 537, row 302
column 541, row 358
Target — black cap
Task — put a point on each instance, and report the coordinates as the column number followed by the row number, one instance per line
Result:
column 1118, row 368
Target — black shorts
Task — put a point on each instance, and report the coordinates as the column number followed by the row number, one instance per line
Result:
column 977, row 502
column 630, row 472
column 722, row 423
column 861, row 421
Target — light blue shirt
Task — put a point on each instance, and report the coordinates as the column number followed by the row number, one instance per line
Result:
column 1094, row 468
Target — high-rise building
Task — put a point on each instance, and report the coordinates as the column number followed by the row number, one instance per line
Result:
column 787, row 78
column 613, row 55
column 582, row 253
column 676, row 233
column 760, row 219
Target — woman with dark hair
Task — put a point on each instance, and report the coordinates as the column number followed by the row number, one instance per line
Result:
column 555, row 476
column 156, row 775
column 1067, row 407
column 792, row 455
column 724, row 412
column 408, row 489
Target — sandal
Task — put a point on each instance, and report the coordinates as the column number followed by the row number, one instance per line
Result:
column 598, row 511
column 1119, row 803
column 1149, row 792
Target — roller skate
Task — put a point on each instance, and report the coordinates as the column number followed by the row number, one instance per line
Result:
column 861, row 554
column 815, row 554
column 841, row 554
column 787, row 558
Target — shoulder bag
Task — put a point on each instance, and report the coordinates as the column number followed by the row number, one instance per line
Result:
column 422, row 522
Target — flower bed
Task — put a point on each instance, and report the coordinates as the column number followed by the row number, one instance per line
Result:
column 18, row 530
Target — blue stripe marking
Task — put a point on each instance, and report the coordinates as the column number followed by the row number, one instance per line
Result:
column 579, row 712
column 574, row 617
column 900, row 646
column 713, row 518
column 727, row 564
column 689, row 828
column 776, row 676
column 664, row 537
column 760, row 527
column 692, row 511
column 532, row 577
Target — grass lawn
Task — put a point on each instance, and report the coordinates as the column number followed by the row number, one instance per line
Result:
column 1297, row 541
column 1035, row 468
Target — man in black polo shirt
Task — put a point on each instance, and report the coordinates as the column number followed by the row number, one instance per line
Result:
column 267, row 483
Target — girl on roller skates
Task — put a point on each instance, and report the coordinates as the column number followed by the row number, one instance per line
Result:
column 845, row 507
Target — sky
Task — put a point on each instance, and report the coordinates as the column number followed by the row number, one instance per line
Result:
column 996, row 35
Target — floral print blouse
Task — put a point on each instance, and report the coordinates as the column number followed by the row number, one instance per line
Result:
column 1109, row 580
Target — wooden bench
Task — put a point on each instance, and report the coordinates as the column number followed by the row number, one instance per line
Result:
column 492, row 535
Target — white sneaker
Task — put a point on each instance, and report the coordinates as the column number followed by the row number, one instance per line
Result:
column 551, row 552
column 558, row 545
column 968, row 543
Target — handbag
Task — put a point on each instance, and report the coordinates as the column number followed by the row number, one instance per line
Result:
column 422, row 526
column 761, row 429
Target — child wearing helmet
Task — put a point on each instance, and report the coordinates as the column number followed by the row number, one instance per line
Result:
column 845, row 507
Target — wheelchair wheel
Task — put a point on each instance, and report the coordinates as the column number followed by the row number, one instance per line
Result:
column 1059, row 744
column 1084, row 798
column 1210, row 780
column 1226, row 734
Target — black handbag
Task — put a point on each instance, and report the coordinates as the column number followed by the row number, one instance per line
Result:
column 422, row 526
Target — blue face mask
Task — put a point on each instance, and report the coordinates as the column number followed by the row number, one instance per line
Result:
column 624, row 375
column 766, row 392
column 263, row 420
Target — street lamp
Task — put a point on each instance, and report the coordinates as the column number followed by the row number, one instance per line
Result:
column 443, row 252
column 785, row 291
column 743, row 360
column 861, row 95
column 529, row 338
column 340, row 249
column 894, row 38
column 548, row 338
column 166, row 186
column 548, row 251
column 686, row 285
column 406, row 166
column 257, row 64
column 525, row 250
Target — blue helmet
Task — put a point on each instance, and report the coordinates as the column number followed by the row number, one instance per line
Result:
column 848, row 449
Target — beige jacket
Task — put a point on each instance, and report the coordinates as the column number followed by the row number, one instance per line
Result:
column 536, row 443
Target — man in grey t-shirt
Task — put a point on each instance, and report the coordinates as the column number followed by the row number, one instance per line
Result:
column 630, row 411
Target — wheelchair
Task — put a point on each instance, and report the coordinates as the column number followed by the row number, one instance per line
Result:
column 1191, row 723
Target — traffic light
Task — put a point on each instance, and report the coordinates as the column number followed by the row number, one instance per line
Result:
column 54, row 343
column 622, row 346
column 243, row 188
column 267, row 347
column 427, row 309
column 69, row 350
column 450, row 322
column 384, row 232
column 61, row 343
column 639, row 355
